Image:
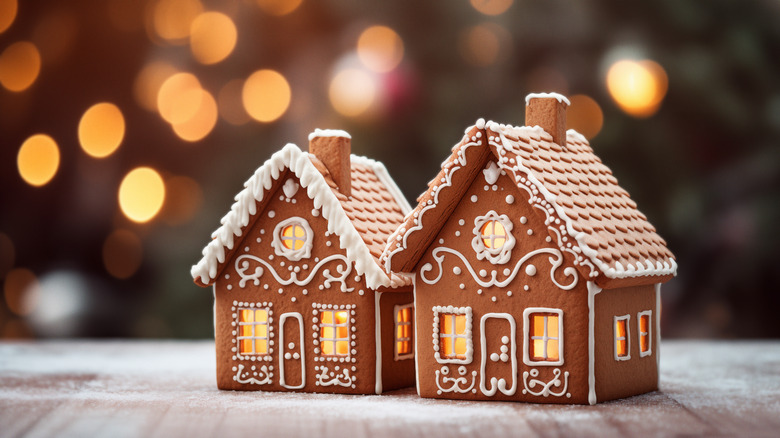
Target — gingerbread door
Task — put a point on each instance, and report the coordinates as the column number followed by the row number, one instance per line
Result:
column 292, row 367
column 498, row 369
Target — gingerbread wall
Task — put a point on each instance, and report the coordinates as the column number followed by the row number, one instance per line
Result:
column 627, row 376
column 397, row 371
column 535, row 273
column 253, row 278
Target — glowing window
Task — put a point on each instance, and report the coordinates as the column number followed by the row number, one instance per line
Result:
column 293, row 237
column 334, row 333
column 453, row 339
column 544, row 337
column 645, row 341
column 404, row 348
column 253, row 331
column 493, row 234
column 622, row 339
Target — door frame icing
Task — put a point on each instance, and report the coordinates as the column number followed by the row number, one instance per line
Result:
column 498, row 384
column 282, row 319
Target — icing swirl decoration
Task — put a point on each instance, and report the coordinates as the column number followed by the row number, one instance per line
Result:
column 255, row 376
column 455, row 384
column 245, row 262
column 546, row 387
column 556, row 260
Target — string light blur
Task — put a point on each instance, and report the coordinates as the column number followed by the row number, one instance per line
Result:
column 266, row 95
column 38, row 159
column 20, row 64
column 141, row 194
column 200, row 124
column 8, row 9
column 179, row 98
column 638, row 87
column 171, row 20
column 122, row 254
column 212, row 37
column 380, row 48
column 279, row 7
column 20, row 291
column 491, row 7
column 148, row 82
column 584, row 115
column 484, row 44
column 101, row 129
column 352, row 92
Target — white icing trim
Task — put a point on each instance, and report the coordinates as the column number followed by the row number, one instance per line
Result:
column 496, row 256
column 527, row 333
column 384, row 177
column 396, row 340
column 467, row 334
column 290, row 188
column 559, row 97
column 498, row 384
column 416, row 337
column 317, row 189
column 627, row 319
column 242, row 266
column 546, row 387
column 328, row 133
column 259, row 377
column 649, row 333
column 378, row 343
column 592, row 291
column 282, row 357
column 456, row 382
column 491, row 172
column 493, row 281
column 339, row 377
column 294, row 255
column 658, row 326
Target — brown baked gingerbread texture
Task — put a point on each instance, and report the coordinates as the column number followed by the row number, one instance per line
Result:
column 533, row 269
column 301, row 303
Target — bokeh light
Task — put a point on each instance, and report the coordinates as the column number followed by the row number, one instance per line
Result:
column 101, row 129
column 20, row 290
column 184, row 199
column 266, row 95
column 122, row 254
column 212, row 37
column 179, row 98
column 38, row 159
column 148, row 82
column 202, row 122
column 141, row 194
column 172, row 19
column 584, row 115
column 380, row 48
column 491, row 7
column 638, row 87
column 279, row 7
column 8, row 9
column 352, row 92
column 20, row 64
column 484, row 44
column 231, row 108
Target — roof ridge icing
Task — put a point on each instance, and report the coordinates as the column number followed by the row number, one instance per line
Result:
column 293, row 158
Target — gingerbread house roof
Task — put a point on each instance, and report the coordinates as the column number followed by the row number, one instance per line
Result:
column 587, row 213
column 362, row 221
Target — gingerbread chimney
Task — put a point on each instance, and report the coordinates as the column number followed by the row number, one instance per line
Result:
column 548, row 110
column 333, row 148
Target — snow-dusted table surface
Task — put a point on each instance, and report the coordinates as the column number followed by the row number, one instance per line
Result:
column 167, row 389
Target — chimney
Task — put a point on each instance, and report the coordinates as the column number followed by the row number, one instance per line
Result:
column 333, row 147
column 548, row 110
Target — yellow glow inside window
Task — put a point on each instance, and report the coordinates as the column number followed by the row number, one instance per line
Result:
column 545, row 337
column 403, row 331
column 644, row 333
column 452, row 339
column 293, row 237
column 493, row 234
column 253, row 331
column 334, row 332
column 621, row 341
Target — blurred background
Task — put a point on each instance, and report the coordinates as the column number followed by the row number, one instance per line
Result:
column 127, row 126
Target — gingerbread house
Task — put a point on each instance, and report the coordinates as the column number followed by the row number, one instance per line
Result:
column 301, row 301
column 537, row 279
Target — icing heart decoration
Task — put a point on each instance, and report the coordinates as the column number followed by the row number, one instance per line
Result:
column 290, row 188
column 492, row 172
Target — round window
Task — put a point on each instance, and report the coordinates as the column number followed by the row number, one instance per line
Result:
column 293, row 238
column 493, row 240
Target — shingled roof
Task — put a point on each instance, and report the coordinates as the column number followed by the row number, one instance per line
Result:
column 363, row 221
column 572, row 191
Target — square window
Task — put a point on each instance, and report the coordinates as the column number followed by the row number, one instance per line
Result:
column 543, row 344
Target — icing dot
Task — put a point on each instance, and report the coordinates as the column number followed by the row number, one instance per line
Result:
column 259, row 240
column 525, row 287
column 479, row 291
column 474, row 198
column 462, row 286
column 262, row 231
column 548, row 239
column 246, row 249
column 293, row 299
column 441, row 241
column 360, row 292
column 487, row 188
column 457, row 233
column 530, row 270
column 509, row 293
column 227, row 276
column 494, row 299
column 329, row 244
column 271, row 213
column 461, row 222
column 482, row 272
column 229, row 287
column 456, row 270
column 523, row 220
column 507, row 271
column 281, row 198
column 510, row 199
column 305, row 292
column 495, row 187
column 530, row 231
